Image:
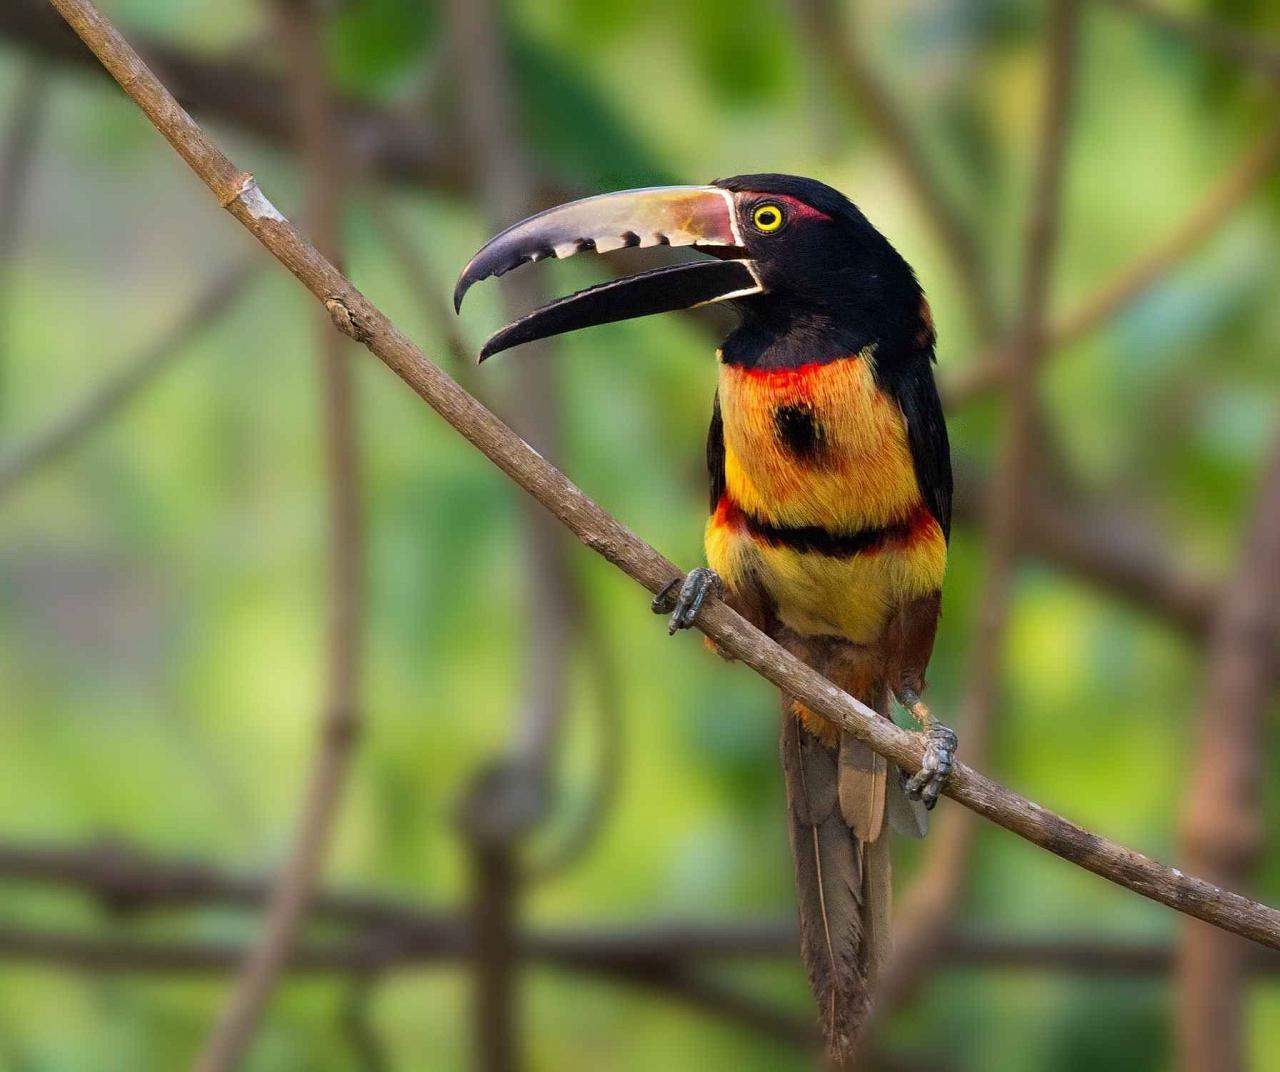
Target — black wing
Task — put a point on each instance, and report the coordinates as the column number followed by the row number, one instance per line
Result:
column 715, row 454
column 917, row 394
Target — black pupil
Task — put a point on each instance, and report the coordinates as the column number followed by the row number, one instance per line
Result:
column 768, row 217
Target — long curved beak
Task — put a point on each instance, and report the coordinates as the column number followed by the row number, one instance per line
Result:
column 662, row 216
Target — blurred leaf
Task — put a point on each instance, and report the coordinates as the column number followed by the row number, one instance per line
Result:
column 573, row 129
column 373, row 44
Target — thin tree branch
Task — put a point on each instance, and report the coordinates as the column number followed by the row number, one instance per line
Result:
column 390, row 951
column 930, row 910
column 828, row 36
column 1209, row 33
column 128, row 882
column 1136, row 279
column 356, row 316
column 84, row 417
column 232, row 1035
column 1222, row 822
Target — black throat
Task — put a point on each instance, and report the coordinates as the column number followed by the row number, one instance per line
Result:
column 773, row 333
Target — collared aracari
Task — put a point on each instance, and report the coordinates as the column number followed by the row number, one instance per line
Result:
column 830, row 499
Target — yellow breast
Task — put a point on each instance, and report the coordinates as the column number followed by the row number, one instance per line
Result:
column 822, row 449
column 859, row 471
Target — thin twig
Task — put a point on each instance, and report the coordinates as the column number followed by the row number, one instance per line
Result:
column 126, row 881
column 829, row 37
column 355, row 315
column 88, row 414
column 650, row 954
column 1222, row 820
column 339, row 726
column 1134, row 280
column 1209, row 33
column 109, row 955
column 929, row 912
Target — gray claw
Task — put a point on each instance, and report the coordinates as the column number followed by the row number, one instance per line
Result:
column 685, row 604
column 939, row 758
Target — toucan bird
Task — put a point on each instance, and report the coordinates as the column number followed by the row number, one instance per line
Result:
column 830, row 499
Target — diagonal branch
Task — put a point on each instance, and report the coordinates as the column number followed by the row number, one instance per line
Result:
column 339, row 726
column 356, row 316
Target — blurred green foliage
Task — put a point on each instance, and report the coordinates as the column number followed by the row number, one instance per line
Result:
column 162, row 589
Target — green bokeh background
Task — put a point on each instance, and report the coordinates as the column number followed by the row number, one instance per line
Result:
column 162, row 594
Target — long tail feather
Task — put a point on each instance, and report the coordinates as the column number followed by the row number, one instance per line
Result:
column 839, row 840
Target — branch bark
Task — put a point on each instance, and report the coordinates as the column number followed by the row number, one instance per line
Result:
column 356, row 316
column 232, row 1035
column 1222, row 823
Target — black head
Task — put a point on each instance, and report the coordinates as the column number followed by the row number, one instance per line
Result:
column 832, row 283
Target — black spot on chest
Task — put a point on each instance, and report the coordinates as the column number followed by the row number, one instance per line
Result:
column 799, row 431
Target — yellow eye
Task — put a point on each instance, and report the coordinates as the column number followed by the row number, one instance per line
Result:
column 766, row 218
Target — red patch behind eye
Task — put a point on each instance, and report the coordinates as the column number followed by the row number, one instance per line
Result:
column 796, row 209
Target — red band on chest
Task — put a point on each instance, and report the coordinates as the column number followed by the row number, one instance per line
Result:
column 796, row 376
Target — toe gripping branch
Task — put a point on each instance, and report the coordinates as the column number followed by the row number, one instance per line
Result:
column 939, row 751
column 683, row 597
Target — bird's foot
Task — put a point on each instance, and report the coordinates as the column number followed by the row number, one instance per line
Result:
column 940, row 744
column 683, row 598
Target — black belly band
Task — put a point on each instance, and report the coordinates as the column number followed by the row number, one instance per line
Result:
column 814, row 539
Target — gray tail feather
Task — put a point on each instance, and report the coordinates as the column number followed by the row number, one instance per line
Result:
column 842, row 876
